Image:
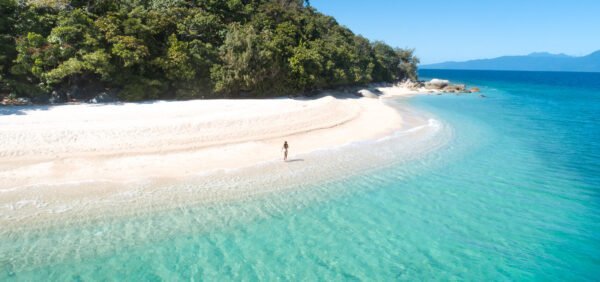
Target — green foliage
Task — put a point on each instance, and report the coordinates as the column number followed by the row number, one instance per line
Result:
column 306, row 66
column 32, row 55
column 386, row 62
column 74, row 30
column 67, row 68
column 177, row 64
column 201, row 25
column 408, row 64
column 7, row 43
column 177, row 49
column 96, row 62
column 246, row 61
column 142, row 89
column 130, row 49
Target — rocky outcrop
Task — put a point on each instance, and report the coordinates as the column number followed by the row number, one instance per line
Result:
column 57, row 98
column 368, row 93
column 412, row 84
column 16, row 101
column 437, row 84
column 454, row 88
column 444, row 86
column 105, row 97
column 84, row 91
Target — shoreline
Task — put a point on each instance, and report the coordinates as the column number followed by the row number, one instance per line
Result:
column 329, row 137
column 38, row 147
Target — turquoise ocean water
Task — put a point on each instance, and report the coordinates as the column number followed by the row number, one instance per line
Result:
column 514, row 195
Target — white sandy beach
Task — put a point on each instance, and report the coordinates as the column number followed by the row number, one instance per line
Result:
column 60, row 158
column 125, row 142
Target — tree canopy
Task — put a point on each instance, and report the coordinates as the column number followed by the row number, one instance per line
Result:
column 181, row 49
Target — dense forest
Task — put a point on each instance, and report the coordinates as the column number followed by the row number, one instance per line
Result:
column 54, row 50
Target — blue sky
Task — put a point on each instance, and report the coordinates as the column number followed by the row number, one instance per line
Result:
column 460, row 30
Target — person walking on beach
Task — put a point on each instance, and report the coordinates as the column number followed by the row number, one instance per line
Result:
column 285, row 150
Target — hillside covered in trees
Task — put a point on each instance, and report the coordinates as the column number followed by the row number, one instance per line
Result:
column 177, row 49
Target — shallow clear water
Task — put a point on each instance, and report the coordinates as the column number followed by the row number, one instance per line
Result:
column 514, row 195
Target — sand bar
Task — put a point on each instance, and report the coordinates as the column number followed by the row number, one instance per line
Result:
column 125, row 142
column 79, row 162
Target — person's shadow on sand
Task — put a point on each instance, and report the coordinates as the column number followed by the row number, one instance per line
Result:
column 294, row 160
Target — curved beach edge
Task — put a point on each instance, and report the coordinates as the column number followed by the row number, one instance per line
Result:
column 83, row 160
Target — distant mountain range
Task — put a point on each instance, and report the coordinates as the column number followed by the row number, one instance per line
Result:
column 540, row 61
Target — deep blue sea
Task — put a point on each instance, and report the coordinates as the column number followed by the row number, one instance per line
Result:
column 514, row 195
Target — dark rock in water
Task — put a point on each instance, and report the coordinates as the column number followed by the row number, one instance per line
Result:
column 109, row 96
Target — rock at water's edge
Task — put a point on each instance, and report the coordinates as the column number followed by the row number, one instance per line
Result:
column 437, row 84
column 367, row 94
column 455, row 88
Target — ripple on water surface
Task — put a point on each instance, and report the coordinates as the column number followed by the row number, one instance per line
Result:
column 505, row 195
